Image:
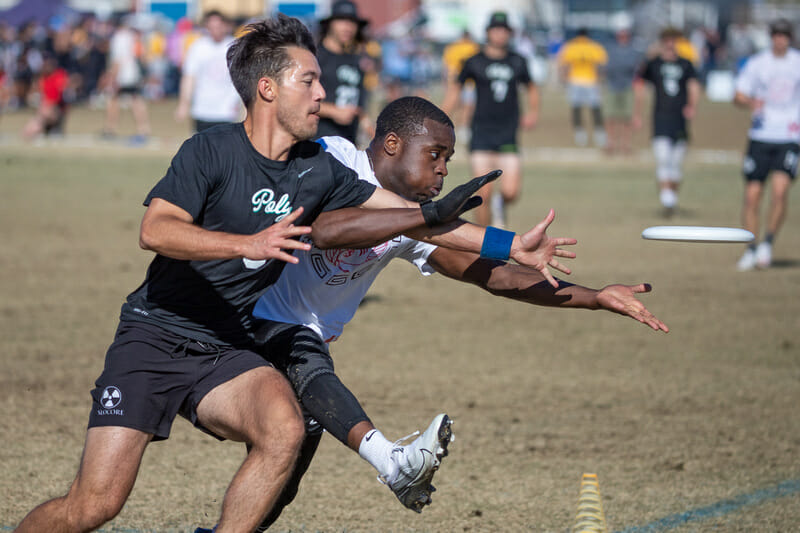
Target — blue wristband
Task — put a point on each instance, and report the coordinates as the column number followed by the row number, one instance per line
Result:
column 497, row 243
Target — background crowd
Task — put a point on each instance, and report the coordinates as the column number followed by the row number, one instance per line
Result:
column 70, row 60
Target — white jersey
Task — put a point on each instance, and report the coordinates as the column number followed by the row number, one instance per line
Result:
column 214, row 98
column 776, row 81
column 123, row 54
column 324, row 289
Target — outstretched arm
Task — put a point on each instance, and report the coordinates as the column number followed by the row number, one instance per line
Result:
column 362, row 228
column 529, row 285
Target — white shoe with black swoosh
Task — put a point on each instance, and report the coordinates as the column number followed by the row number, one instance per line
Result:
column 418, row 461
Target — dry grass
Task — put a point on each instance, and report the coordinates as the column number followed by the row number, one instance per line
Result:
column 669, row 422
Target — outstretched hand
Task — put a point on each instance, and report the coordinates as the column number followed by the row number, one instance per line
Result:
column 457, row 201
column 271, row 242
column 537, row 250
column 622, row 299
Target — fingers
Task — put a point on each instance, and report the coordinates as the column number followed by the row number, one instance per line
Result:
column 472, row 203
column 560, row 267
column 549, row 277
column 551, row 215
column 565, row 253
column 291, row 217
column 295, row 231
column 285, row 257
column 292, row 244
column 491, row 176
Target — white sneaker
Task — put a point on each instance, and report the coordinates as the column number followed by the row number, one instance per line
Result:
column 599, row 138
column 747, row 261
column 581, row 137
column 764, row 255
column 417, row 462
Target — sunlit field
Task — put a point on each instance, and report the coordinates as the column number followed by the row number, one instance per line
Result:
column 674, row 424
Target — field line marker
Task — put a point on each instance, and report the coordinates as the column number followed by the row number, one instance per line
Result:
column 721, row 508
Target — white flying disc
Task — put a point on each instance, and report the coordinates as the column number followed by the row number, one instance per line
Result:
column 697, row 234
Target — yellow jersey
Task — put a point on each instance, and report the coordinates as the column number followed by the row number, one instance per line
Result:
column 685, row 49
column 582, row 56
column 455, row 54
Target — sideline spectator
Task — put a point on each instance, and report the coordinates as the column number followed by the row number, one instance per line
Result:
column 580, row 60
column 126, row 80
column 623, row 60
column 52, row 110
column 342, row 75
column 206, row 91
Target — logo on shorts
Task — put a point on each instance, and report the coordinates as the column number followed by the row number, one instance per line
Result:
column 109, row 400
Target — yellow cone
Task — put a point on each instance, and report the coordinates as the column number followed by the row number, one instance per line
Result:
column 590, row 517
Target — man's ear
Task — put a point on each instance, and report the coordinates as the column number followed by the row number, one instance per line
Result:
column 392, row 144
column 267, row 89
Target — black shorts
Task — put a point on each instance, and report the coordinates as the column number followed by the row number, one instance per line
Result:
column 672, row 127
column 152, row 374
column 493, row 139
column 762, row 158
column 132, row 90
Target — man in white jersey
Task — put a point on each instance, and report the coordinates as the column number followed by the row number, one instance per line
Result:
column 769, row 86
column 207, row 92
column 312, row 301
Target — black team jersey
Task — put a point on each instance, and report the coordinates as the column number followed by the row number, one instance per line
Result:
column 669, row 80
column 343, row 81
column 496, row 84
column 220, row 179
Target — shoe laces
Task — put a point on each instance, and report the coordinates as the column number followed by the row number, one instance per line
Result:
column 397, row 446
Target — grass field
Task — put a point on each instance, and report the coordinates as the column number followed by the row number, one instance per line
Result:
column 695, row 430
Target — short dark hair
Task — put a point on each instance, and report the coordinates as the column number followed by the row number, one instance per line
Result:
column 405, row 117
column 214, row 13
column 262, row 52
column 670, row 32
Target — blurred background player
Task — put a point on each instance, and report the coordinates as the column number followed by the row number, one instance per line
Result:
column 676, row 91
column 342, row 72
column 53, row 105
column 580, row 60
column 126, row 80
column 453, row 58
column 207, row 93
column 497, row 73
column 623, row 60
column 769, row 86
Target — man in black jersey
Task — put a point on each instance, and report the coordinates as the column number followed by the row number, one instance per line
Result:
column 676, row 92
column 342, row 75
column 497, row 73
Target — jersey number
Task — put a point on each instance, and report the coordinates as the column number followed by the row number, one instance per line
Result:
column 346, row 96
column 499, row 90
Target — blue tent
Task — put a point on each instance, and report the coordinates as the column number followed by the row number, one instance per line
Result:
column 41, row 11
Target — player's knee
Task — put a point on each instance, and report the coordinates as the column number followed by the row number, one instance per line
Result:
column 282, row 425
column 88, row 512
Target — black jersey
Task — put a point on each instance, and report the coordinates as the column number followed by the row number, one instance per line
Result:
column 343, row 81
column 220, row 179
column 669, row 79
column 496, row 84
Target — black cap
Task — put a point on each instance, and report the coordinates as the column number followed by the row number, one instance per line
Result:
column 344, row 9
column 781, row 26
column 499, row 19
